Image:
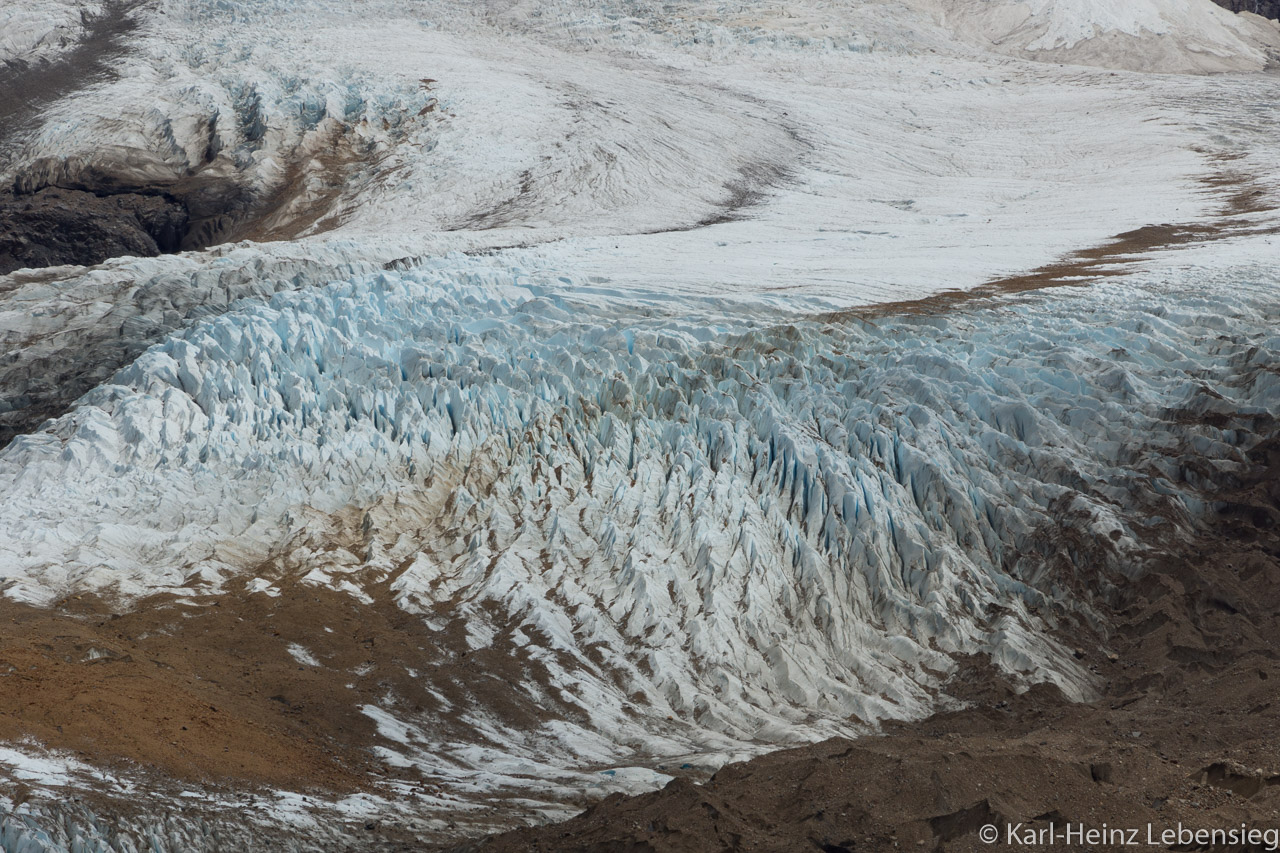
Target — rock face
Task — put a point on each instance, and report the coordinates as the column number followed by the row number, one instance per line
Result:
column 57, row 226
column 1266, row 8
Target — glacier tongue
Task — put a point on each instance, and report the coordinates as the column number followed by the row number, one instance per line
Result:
column 694, row 531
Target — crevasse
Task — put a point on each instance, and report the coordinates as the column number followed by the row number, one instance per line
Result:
column 699, row 529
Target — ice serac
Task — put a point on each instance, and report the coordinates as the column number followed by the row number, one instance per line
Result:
column 689, row 533
column 41, row 30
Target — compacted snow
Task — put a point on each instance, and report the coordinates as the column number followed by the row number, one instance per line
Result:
column 563, row 322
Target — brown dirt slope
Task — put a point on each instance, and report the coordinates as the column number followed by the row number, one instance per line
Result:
column 206, row 689
column 205, row 693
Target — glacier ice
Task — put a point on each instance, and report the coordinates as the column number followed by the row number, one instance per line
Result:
column 73, row 827
column 632, row 443
column 39, row 31
column 908, row 167
column 711, row 530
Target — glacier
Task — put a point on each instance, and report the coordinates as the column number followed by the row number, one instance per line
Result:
column 1149, row 35
column 699, row 533
column 622, row 343
column 856, row 156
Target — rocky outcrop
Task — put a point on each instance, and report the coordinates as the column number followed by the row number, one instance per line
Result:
column 1266, row 8
column 58, row 226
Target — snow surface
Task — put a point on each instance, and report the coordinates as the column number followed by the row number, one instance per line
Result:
column 869, row 154
column 36, row 31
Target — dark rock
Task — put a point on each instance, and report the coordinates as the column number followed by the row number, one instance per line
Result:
column 59, row 226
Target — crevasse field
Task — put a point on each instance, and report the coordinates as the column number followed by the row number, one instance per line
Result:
column 574, row 331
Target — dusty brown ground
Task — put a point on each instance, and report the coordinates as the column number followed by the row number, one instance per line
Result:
column 205, row 689
column 1186, row 732
column 205, row 693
